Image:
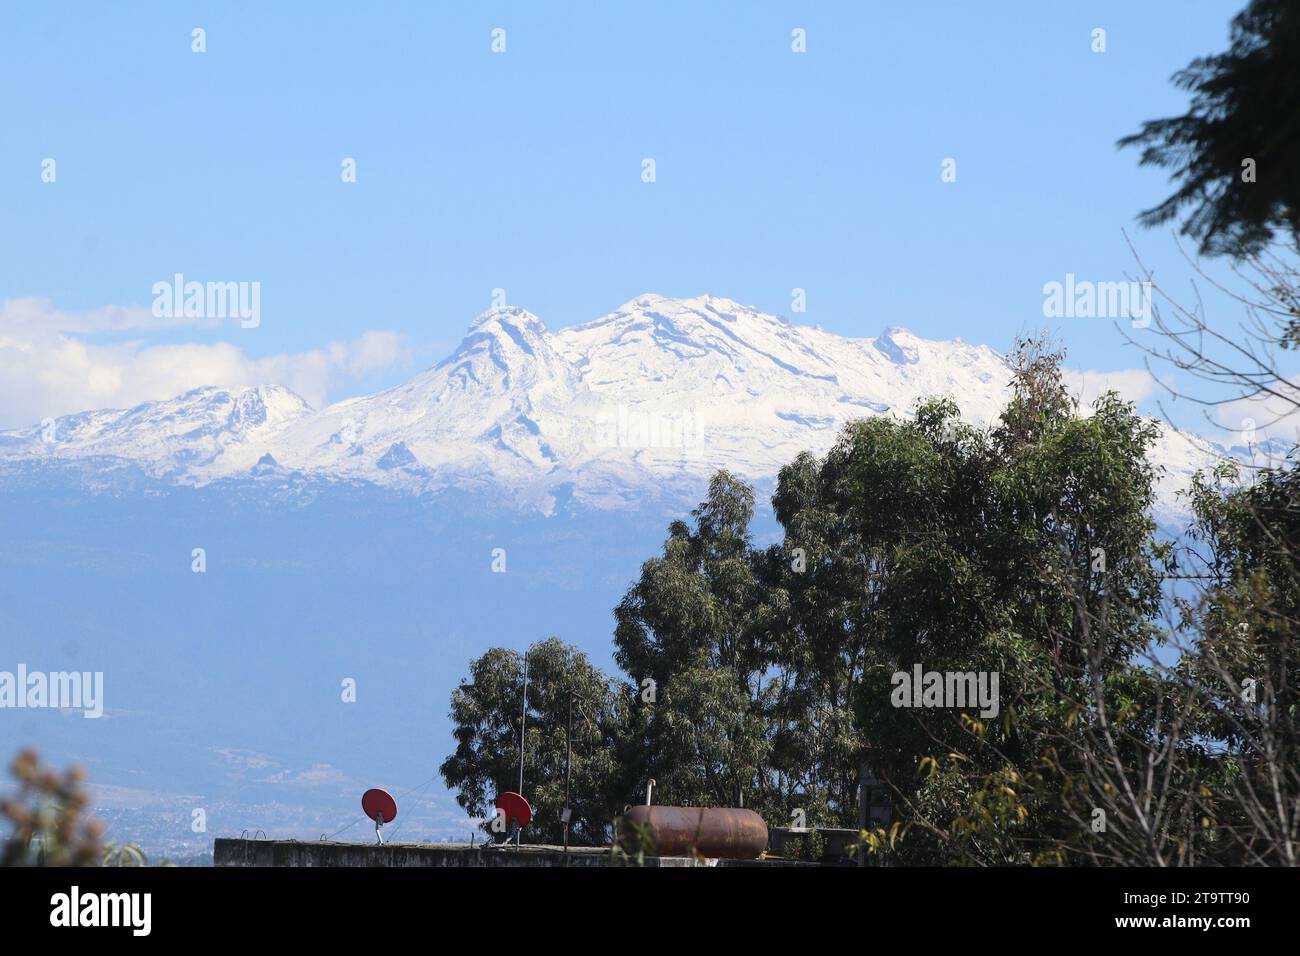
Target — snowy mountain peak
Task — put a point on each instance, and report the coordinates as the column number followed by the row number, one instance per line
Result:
column 645, row 402
column 504, row 349
column 509, row 316
column 898, row 345
column 171, row 436
column 701, row 313
column 506, row 336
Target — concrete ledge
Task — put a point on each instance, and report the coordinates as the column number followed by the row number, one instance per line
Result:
column 320, row 853
column 232, row 852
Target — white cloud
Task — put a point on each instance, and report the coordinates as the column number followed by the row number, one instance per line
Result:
column 1251, row 420
column 48, row 369
column 1132, row 384
column 32, row 316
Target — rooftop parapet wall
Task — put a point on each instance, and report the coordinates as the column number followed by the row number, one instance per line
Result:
column 316, row 853
column 313, row 853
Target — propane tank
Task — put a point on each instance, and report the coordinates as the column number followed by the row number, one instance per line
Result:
column 716, row 832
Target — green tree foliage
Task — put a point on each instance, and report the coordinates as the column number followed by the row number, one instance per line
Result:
column 688, row 624
column 486, row 711
column 989, row 552
column 124, row 854
column 1245, row 662
column 1243, row 108
column 818, row 623
column 765, row 678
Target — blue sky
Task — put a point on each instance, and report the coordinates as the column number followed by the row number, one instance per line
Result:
column 522, row 170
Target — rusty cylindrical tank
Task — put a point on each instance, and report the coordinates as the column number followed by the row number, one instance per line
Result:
column 714, row 832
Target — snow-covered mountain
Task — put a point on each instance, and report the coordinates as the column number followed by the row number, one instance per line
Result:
column 644, row 402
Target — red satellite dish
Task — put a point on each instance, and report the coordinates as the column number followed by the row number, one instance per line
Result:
column 375, row 802
column 512, row 805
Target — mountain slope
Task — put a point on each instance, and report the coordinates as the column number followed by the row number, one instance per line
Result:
column 643, row 403
column 178, row 437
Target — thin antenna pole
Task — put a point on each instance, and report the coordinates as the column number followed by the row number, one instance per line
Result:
column 568, row 760
column 523, row 720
